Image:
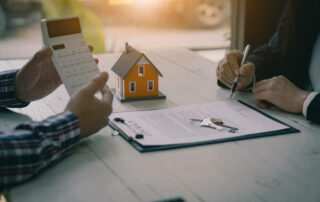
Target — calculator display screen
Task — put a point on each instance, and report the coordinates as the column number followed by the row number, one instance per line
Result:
column 58, row 47
column 63, row 27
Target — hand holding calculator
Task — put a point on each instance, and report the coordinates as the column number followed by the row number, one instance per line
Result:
column 71, row 55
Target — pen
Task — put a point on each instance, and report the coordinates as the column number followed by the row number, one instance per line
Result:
column 243, row 61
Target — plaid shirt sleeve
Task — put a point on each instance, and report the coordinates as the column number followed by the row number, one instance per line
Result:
column 31, row 147
column 7, row 91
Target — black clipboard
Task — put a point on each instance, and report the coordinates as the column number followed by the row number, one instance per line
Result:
column 142, row 148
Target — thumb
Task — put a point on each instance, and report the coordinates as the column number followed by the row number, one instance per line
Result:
column 233, row 59
column 107, row 96
column 97, row 83
column 42, row 54
column 247, row 69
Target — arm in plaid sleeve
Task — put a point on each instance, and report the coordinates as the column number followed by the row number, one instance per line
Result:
column 7, row 91
column 31, row 147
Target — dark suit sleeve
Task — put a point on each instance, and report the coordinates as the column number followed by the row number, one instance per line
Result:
column 313, row 111
column 267, row 58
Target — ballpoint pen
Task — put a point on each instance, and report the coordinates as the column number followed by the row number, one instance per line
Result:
column 243, row 61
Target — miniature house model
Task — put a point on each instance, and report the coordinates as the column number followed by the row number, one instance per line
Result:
column 137, row 78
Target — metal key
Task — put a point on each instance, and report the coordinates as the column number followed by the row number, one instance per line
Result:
column 215, row 122
column 226, row 126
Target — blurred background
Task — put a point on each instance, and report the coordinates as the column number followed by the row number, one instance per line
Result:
column 199, row 25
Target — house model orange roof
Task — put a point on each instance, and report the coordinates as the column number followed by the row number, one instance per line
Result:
column 137, row 77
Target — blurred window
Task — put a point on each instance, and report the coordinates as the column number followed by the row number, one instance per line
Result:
column 198, row 25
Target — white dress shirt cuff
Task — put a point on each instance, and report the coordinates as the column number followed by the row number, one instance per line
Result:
column 308, row 101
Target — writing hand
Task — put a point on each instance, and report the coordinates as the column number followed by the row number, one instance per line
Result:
column 228, row 68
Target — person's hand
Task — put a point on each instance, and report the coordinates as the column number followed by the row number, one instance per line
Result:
column 38, row 78
column 92, row 112
column 229, row 67
column 280, row 92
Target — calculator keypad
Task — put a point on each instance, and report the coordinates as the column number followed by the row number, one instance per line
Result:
column 76, row 65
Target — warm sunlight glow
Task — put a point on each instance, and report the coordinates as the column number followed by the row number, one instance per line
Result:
column 137, row 2
column 120, row 2
column 146, row 1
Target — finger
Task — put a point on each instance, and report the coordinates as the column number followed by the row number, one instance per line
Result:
column 232, row 58
column 240, row 85
column 43, row 54
column 265, row 104
column 259, row 102
column 224, row 71
column 103, row 90
column 243, row 83
column 96, row 84
column 246, row 78
column 47, row 52
column 96, row 60
column 107, row 96
column 218, row 70
column 53, row 71
column 262, row 104
column 265, row 95
column 229, row 74
column 259, row 89
column 91, row 48
column 261, row 84
column 238, row 54
column 56, row 77
column 105, row 122
column 225, row 82
column 247, row 69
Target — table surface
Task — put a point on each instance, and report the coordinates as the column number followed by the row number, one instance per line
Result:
column 106, row 168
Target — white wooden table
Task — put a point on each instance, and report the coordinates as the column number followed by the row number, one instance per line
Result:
column 106, row 168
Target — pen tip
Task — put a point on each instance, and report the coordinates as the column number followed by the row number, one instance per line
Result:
column 231, row 96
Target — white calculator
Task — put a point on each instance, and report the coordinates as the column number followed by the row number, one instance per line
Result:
column 71, row 55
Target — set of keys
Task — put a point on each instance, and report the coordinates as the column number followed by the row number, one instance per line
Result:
column 215, row 123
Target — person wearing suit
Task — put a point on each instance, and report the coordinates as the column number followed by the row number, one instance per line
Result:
column 287, row 68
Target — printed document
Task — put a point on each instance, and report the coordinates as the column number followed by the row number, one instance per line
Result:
column 174, row 125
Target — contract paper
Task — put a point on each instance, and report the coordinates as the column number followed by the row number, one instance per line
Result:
column 173, row 125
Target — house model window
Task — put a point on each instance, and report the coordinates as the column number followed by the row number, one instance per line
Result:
column 151, row 85
column 132, row 87
column 141, row 71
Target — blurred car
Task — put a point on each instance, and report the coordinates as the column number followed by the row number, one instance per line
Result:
column 207, row 13
column 197, row 13
column 11, row 9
